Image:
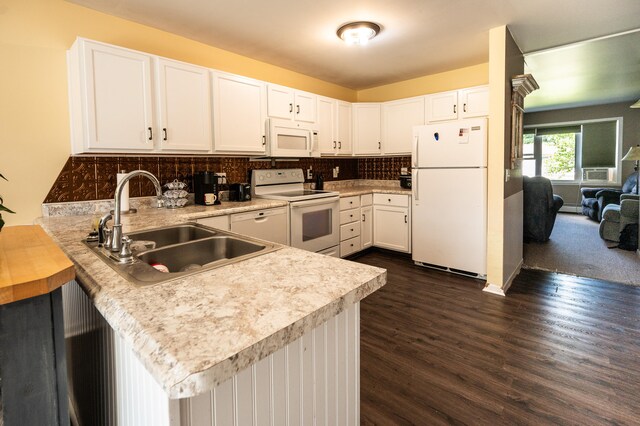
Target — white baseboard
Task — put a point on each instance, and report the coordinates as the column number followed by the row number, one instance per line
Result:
column 571, row 209
column 502, row 291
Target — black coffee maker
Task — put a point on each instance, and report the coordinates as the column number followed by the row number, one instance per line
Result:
column 205, row 183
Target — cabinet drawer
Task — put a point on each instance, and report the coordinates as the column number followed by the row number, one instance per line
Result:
column 366, row 199
column 349, row 230
column 349, row 246
column 349, row 202
column 351, row 215
column 397, row 200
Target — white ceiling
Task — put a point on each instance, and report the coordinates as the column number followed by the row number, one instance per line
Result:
column 418, row 37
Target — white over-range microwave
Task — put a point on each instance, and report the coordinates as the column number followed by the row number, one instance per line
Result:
column 287, row 138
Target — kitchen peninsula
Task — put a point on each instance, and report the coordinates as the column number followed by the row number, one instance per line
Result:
column 272, row 337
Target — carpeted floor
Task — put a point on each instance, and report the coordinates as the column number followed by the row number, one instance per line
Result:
column 576, row 248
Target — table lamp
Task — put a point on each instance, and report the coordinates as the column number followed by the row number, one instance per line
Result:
column 634, row 155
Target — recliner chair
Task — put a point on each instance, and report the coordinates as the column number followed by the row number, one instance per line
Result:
column 594, row 200
column 616, row 217
column 540, row 208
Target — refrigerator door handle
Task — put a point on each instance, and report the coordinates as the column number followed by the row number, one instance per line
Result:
column 414, row 184
column 414, row 158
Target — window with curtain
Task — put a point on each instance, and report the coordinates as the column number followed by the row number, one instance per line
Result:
column 562, row 152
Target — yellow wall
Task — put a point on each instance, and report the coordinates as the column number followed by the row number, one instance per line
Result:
column 34, row 114
column 475, row 75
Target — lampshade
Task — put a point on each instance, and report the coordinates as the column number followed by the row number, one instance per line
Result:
column 358, row 32
column 636, row 105
column 633, row 154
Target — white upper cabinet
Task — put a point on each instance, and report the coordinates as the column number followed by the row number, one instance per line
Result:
column 398, row 119
column 366, row 129
column 110, row 99
column 442, row 106
column 465, row 103
column 326, row 124
column 334, row 126
column 184, row 101
column 474, row 101
column 343, row 125
column 239, row 106
column 291, row 104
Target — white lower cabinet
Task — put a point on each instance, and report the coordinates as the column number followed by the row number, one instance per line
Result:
column 349, row 225
column 392, row 222
column 366, row 220
column 218, row 222
column 312, row 380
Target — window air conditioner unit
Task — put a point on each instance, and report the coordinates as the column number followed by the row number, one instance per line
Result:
column 596, row 174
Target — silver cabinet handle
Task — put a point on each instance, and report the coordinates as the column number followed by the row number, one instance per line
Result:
column 264, row 140
column 405, row 218
column 455, row 109
column 379, row 145
column 297, row 109
column 339, row 145
column 290, row 107
column 334, row 144
column 363, row 218
column 164, row 131
column 150, row 133
column 464, row 107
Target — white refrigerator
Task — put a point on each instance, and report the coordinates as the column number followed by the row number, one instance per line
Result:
column 449, row 196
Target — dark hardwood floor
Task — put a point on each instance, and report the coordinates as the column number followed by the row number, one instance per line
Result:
column 558, row 349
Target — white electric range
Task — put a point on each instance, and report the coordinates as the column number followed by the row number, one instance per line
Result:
column 314, row 215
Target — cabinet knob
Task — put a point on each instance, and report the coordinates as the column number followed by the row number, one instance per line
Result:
column 389, row 199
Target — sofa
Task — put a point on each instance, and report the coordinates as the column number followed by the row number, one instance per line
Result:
column 616, row 217
column 540, row 208
column 594, row 200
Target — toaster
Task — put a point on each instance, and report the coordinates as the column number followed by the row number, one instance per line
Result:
column 239, row 192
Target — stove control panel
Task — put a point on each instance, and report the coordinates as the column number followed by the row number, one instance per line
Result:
column 277, row 176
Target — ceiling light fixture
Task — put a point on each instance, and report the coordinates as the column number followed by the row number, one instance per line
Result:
column 636, row 105
column 358, row 32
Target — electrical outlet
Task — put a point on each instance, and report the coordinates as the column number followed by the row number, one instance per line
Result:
column 223, row 178
column 404, row 171
column 335, row 172
column 309, row 173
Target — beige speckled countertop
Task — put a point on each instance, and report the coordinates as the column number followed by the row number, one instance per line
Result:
column 194, row 333
column 371, row 189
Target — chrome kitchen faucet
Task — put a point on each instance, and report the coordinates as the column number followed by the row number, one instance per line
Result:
column 114, row 243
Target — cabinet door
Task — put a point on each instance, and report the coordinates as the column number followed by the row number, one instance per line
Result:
column 398, row 119
column 366, row 227
column 118, row 108
column 474, row 102
column 366, row 129
column 305, row 107
column 219, row 222
column 280, row 102
column 442, row 106
column 343, row 126
column 239, row 106
column 326, row 125
column 391, row 228
column 184, row 104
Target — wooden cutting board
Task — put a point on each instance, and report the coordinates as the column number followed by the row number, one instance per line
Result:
column 31, row 264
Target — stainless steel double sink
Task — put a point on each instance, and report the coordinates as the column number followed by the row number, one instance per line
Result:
column 171, row 252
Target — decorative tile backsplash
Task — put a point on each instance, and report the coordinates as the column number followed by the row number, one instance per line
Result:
column 94, row 178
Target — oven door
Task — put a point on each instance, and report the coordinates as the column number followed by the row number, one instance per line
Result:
column 315, row 224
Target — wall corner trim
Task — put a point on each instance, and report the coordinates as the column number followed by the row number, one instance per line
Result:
column 494, row 289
